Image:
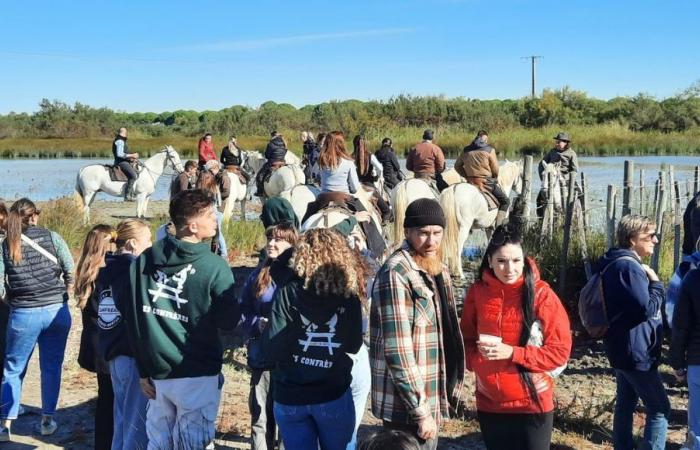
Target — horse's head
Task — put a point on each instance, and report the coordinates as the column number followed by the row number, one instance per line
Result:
column 173, row 159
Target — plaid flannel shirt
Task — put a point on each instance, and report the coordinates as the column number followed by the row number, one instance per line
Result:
column 406, row 345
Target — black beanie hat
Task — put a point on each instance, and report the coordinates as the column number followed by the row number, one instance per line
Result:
column 424, row 212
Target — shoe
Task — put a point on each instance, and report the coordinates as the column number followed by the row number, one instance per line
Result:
column 48, row 427
column 5, row 434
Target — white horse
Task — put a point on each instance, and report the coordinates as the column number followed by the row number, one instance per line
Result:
column 239, row 191
column 465, row 208
column 300, row 196
column 401, row 196
column 282, row 179
column 95, row 178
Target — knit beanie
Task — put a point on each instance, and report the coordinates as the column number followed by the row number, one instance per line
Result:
column 424, row 212
column 277, row 210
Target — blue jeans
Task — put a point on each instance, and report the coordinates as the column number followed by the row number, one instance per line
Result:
column 631, row 386
column 305, row 427
column 48, row 326
column 220, row 235
column 129, row 405
column 360, row 387
column 694, row 403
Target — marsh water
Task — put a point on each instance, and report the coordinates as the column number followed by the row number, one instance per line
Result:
column 45, row 179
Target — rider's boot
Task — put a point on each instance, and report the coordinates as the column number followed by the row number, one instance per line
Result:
column 501, row 218
column 128, row 190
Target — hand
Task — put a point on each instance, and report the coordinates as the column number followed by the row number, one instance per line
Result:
column 650, row 273
column 135, row 155
column 427, row 428
column 494, row 351
column 680, row 375
column 147, row 387
column 363, row 216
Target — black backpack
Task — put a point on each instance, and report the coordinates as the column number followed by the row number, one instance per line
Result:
column 591, row 304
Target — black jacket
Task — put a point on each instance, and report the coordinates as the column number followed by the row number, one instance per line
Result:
column 276, row 149
column 685, row 342
column 392, row 169
column 635, row 334
column 309, row 338
column 229, row 159
column 112, row 290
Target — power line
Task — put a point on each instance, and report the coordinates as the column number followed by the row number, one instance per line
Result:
column 533, row 59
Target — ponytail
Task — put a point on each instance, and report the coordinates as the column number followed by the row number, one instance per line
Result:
column 17, row 221
column 528, row 306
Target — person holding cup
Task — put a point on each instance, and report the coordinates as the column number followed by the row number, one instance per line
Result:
column 517, row 338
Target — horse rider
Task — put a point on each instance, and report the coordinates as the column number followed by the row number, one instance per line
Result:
column 186, row 180
column 426, row 160
column 390, row 163
column 124, row 159
column 310, row 154
column 232, row 159
column 479, row 165
column 563, row 156
column 205, row 149
column 274, row 153
column 369, row 170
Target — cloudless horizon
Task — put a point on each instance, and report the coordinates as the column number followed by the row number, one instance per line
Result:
column 160, row 56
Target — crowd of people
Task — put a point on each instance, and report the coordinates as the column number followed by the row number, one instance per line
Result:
column 328, row 325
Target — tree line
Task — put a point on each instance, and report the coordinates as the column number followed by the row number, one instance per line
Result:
column 561, row 107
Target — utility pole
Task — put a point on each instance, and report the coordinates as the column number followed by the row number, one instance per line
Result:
column 533, row 59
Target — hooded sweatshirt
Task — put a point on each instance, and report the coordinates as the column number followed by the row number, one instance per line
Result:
column 308, row 338
column 113, row 293
column 276, row 150
column 633, row 340
column 181, row 293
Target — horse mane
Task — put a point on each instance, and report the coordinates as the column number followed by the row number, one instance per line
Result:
column 450, row 238
column 400, row 203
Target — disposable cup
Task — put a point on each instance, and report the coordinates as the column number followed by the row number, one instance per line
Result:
column 491, row 339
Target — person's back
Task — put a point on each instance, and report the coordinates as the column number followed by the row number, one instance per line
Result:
column 390, row 163
column 342, row 178
column 478, row 160
column 426, row 160
column 276, row 150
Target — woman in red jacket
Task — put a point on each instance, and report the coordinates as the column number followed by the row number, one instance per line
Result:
column 517, row 339
column 206, row 151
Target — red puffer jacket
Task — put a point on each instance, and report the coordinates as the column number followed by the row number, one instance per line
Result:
column 494, row 308
column 206, row 152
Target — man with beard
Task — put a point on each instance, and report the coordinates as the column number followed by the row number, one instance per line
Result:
column 416, row 349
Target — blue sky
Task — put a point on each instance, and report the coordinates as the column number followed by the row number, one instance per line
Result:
column 163, row 56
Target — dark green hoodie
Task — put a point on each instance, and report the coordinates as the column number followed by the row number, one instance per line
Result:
column 308, row 338
column 181, row 293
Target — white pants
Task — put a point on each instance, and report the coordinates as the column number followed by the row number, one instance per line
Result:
column 183, row 415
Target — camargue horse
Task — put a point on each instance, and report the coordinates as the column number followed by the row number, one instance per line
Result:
column 283, row 179
column 95, row 178
column 300, row 196
column 401, row 196
column 239, row 191
column 465, row 208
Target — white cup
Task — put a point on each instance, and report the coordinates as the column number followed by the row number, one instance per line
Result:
column 489, row 338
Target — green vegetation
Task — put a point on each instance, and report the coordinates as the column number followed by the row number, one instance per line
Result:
column 622, row 125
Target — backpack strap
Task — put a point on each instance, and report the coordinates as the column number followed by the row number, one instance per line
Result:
column 629, row 258
column 39, row 249
column 602, row 272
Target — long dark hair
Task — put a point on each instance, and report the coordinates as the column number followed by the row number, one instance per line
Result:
column 17, row 222
column 361, row 154
column 502, row 236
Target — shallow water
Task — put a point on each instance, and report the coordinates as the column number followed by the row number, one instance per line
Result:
column 45, row 179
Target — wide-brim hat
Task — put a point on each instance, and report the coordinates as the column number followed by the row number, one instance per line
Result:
column 562, row 137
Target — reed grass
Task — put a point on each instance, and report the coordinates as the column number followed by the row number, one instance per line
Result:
column 599, row 140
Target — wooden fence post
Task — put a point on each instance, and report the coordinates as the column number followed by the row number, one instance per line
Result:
column 527, row 187
column 563, row 260
column 584, row 201
column 642, row 205
column 550, row 205
column 627, row 187
column 610, row 216
column 677, row 226
column 580, row 215
column 696, row 179
column 660, row 209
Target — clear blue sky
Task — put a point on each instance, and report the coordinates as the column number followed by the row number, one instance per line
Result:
column 167, row 55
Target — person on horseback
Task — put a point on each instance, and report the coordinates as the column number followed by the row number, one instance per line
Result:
column 310, row 154
column 479, row 165
column 390, row 163
column 563, row 155
column 232, row 161
column 205, row 150
column 274, row 153
column 426, row 160
column 369, row 170
column 124, row 159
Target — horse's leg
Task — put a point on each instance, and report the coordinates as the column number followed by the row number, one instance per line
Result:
column 88, row 197
column 145, row 206
column 464, row 230
column 243, row 218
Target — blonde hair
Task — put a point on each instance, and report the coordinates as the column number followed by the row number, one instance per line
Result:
column 631, row 226
column 97, row 243
column 127, row 230
column 329, row 266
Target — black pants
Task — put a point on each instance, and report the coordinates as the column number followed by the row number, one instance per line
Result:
column 528, row 431
column 104, row 413
column 128, row 170
column 499, row 193
column 262, row 176
column 413, row 431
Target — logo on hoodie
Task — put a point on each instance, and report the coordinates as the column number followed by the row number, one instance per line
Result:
column 170, row 288
column 108, row 316
column 314, row 338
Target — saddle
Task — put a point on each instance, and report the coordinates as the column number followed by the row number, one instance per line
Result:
column 117, row 174
column 237, row 170
column 491, row 201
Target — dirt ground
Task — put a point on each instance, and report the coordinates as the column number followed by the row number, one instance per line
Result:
column 583, row 420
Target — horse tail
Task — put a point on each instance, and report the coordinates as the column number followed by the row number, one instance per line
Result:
column 78, row 196
column 450, row 240
column 400, row 204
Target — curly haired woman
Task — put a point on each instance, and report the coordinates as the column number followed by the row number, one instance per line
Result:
column 313, row 326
